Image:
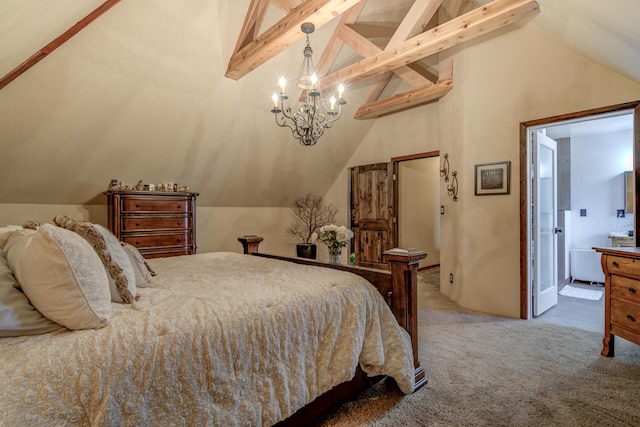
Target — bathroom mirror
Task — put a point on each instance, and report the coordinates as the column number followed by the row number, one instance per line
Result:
column 628, row 192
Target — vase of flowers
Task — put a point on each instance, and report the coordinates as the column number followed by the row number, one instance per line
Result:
column 336, row 238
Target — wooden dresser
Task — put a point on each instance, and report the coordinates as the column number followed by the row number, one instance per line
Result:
column 621, row 268
column 159, row 224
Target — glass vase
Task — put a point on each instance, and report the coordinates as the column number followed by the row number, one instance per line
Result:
column 335, row 255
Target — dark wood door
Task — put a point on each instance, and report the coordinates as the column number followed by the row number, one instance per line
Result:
column 373, row 212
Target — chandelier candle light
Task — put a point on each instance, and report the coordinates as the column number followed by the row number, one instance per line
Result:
column 312, row 117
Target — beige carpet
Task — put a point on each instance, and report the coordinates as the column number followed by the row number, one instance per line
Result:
column 491, row 371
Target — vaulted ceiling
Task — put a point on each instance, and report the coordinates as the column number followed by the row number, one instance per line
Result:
column 140, row 91
column 420, row 34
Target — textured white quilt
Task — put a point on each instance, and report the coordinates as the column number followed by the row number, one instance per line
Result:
column 223, row 339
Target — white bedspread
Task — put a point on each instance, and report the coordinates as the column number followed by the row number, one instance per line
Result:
column 224, row 339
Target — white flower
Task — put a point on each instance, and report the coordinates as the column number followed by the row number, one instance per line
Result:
column 334, row 236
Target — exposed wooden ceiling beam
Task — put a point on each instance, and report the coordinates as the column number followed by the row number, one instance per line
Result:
column 252, row 22
column 332, row 49
column 415, row 21
column 59, row 41
column 379, row 86
column 494, row 15
column 286, row 5
column 419, row 15
column 409, row 99
column 366, row 48
column 284, row 33
column 330, row 52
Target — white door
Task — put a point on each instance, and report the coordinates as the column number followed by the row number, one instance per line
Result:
column 545, row 259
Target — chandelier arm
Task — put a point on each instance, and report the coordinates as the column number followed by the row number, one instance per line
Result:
column 300, row 120
column 282, row 122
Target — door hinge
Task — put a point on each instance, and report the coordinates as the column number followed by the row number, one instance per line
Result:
column 394, row 177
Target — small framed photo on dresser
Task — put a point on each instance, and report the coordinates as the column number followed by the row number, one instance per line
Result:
column 492, row 178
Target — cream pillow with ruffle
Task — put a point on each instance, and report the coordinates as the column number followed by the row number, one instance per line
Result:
column 61, row 275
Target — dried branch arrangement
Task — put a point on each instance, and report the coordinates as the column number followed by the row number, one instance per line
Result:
column 310, row 213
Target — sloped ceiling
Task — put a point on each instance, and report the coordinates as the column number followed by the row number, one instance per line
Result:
column 141, row 94
column 26, row 27
column 603, row 31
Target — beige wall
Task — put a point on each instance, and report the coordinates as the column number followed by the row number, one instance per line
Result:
column 18, row 213
column 217, row 229
column 419, row 207
column 498, row 84
column 510, row 79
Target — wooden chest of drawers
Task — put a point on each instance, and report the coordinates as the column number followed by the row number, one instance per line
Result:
column 159, row 224
column 621, row 266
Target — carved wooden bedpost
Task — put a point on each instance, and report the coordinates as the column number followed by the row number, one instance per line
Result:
column 404, row 301
column 250, row 243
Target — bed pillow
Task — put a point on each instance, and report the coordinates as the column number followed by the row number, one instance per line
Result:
column 122, row 281
column 143, row 272
column 17, row 316
column 61, row 275
column 122, row 259
column 5, row 232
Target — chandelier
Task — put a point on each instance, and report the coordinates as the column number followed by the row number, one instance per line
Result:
column 312, row 116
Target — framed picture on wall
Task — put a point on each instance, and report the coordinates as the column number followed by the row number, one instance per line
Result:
column 492, row 178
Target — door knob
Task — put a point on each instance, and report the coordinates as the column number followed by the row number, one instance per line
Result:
column 557, row 230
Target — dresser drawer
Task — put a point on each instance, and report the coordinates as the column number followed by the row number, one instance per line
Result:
column 625, row 288
column 616, row 264
column 625, row 314
column 157, row 223
column 155, row 205
column 157, row 240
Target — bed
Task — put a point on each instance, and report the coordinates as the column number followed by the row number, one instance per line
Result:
column 222, row 339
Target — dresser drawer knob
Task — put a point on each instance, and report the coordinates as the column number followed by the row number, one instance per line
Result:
column 632, row 290
column 137, row 205
column 631, row 318
column 179, row 240
column 137, row 224
column 137, row 242
column 179, row 222
column 615, row 264
column 179, row 206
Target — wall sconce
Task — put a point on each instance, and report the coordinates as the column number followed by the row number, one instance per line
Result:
column 452, row 189
column 444, row 169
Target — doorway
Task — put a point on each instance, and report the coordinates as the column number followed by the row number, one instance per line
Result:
column 395, row 204
column 540, row 254
column 419, row 207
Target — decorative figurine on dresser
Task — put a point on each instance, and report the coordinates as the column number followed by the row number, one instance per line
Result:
column 621, row 268
column 157, row 223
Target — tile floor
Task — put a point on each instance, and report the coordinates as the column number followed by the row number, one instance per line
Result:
column 578, row 312
column 574, row 312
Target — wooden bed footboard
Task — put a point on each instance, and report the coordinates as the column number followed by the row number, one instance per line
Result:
column 398, row 287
